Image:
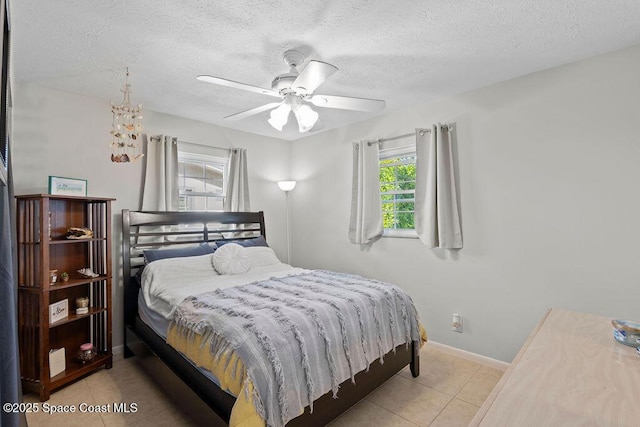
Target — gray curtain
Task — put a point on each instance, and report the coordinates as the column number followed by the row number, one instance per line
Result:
column 365, row 225
column 10, row 391
column 160, row 187
column 436, row 206
column 237, row 196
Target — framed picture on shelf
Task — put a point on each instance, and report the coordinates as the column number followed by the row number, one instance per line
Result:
column 67, row 186
column 58, row 311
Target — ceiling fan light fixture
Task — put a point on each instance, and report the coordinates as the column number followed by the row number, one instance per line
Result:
column 306, row 118
column 296, row 88
column 279, row 116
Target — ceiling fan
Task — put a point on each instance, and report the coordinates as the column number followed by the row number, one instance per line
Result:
column 296, row 89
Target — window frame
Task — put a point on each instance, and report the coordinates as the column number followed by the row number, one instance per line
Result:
column 186, row 156
column 408, row 150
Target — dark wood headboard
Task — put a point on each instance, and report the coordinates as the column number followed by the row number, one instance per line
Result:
column 149, row 230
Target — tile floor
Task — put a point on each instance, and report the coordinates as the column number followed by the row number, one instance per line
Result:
column 448, row 393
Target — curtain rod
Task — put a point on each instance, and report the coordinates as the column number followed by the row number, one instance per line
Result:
column 448, row 126
column 203, row 145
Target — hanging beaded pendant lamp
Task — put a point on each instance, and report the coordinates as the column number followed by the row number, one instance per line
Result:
column 126, row 144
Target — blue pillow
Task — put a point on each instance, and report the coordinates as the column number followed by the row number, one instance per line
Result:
column 247, row 243
column 151, row 255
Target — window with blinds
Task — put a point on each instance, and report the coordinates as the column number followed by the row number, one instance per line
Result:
column 397, row 188
column 201, row 182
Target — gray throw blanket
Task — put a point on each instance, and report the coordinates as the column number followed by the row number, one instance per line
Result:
column 300, row 336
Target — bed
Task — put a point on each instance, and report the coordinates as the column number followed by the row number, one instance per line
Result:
column 153, row 230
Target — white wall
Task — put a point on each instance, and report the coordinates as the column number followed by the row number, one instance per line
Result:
column 62, row 134
column 549, row 169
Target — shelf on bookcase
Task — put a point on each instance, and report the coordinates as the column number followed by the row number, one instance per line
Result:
column 70, row 241
column 73, row 317
column 75, row 282
column 76, row 369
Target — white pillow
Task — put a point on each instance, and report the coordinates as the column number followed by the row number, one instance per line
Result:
column 231, row 259
column 262, row 256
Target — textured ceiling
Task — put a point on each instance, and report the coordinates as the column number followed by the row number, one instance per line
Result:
column 405, row 52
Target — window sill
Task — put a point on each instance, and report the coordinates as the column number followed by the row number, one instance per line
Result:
column 404, row 234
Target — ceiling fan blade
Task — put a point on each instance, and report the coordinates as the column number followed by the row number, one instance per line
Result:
column 313, row 75
column 248, row 113
column 237, row 85
column 348, row 103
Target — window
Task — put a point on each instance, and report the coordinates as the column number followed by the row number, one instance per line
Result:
column 201, row 182
column 397, row 189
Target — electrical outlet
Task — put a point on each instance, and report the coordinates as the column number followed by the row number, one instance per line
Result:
column 456, row 323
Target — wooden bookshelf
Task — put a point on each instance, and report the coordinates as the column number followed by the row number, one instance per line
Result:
column 42, row 223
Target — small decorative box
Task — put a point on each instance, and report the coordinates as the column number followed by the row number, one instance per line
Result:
column 82, row 305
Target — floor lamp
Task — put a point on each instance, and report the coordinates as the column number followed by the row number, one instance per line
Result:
column 287, row 186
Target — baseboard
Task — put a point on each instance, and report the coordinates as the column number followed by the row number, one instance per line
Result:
column 467, row 355
column 118, row 352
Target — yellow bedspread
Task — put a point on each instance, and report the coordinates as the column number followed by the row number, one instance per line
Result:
column 232, row 376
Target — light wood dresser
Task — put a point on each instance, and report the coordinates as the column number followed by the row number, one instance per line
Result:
column 569, row 372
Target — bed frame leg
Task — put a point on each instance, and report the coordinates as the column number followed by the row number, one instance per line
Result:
column 127, row 352
column 414, row 366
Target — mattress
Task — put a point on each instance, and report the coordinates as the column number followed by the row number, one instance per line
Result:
column 159, row 325
column 152, row 319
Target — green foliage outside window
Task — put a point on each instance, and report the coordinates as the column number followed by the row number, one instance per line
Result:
column 397, row 188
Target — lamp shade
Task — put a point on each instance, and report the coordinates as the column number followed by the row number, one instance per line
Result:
column 306, row 117
column 286, row 185
column 279, row 116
